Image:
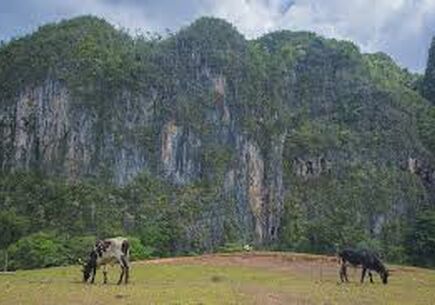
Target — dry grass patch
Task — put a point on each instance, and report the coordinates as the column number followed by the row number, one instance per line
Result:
column 246, row 278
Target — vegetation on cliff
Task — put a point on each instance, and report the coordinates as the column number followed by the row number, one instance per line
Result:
column 323, row 136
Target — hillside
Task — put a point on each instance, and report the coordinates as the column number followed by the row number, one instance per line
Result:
column 253, row 278
column 204, row 138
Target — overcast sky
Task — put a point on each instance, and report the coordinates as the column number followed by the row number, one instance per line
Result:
column 401, row 28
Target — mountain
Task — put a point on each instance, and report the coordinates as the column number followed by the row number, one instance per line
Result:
column 205, row 138
column 428, row 81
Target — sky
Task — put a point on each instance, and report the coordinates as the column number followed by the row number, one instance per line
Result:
column 401, row 28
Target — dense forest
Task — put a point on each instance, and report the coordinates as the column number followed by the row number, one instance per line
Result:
column 205, row 141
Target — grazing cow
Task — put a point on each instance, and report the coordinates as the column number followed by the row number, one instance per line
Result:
column 108, row 251
column 366, row 259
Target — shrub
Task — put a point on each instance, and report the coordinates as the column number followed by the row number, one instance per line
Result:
column 12, row 227
column 79, row 248
column 38, row 250
column 138, row 251
column 234, row 247
column 372, row 245
column 420, row 240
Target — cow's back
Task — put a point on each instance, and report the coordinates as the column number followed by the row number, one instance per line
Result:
column 112, row 249
column 351, row 256
column 362, row 257
column 116, row 242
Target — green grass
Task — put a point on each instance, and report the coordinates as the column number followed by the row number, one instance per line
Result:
column 261, row 278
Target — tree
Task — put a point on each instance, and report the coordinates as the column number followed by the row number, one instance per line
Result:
column 420, row 241
column 12, row 227
column 428, row 89
column 38, row 250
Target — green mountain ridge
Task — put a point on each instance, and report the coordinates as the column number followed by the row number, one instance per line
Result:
column 204, row 138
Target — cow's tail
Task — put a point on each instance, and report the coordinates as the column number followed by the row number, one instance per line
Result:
column 125, row 248
column 125, row 261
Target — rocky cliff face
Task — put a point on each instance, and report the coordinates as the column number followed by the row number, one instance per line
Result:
column 45, row 130
column 253, row 118
column 180, row 151
column 35, row 126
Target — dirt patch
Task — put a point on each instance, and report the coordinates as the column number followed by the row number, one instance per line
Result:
column 404, row 270
column 262, row 296
column 172, row 260
column 217, row 278
column 254, row 259
column 316, row 267
column 120, row 296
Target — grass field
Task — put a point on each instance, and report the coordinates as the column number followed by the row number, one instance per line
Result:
column 246, row 278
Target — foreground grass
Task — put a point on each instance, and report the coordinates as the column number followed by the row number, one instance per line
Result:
column 233, row 279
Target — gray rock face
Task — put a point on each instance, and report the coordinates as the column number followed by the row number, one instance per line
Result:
column 36, row 127
column 46, row 129
column 250, row 188
column 179, row 154
column 257, row 183
column 311, row 167
column 424, row 171
column 274, row 200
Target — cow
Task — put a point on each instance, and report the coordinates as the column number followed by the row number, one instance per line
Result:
column 366, row 259
column 108, row 251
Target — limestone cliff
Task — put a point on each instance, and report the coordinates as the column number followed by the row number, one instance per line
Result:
column 265, row 122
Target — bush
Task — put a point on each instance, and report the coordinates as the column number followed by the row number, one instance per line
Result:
column 157, row 237
column 38, row 250
column 79, row 248
column 420, row 240
column 235, row 247
column 138, row 251
column 12, row 227
column 372, row 245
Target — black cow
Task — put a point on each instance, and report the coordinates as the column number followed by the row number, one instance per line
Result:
column 366, row 259
column 108, row 251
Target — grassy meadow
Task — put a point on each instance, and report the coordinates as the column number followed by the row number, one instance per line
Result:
column 242, row 278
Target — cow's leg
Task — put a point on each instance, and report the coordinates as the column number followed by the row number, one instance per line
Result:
column 363, row 274
column 371, row 277
column 121, row 263
column 121, row 276
column 105, row 274
column 343, row 275
column 126, row 268
column 345, row 272
column 94, row 271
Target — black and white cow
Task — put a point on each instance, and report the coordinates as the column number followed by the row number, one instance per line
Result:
column 366, row 259
column 108, row 251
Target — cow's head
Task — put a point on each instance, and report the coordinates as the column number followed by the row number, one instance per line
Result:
column 89, row 266
column 384, row 276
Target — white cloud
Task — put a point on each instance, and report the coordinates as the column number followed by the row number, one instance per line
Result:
column 402, row 28
column 123, row 15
